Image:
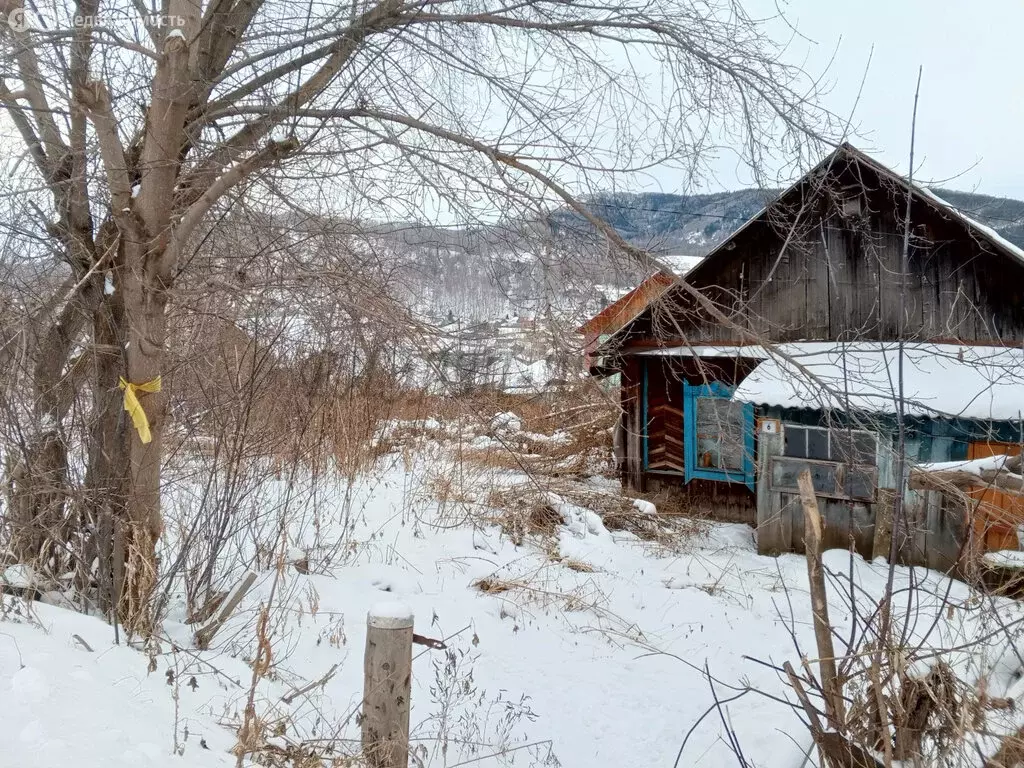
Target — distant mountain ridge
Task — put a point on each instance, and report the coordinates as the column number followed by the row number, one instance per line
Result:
column 694, row 224
column 514, row 271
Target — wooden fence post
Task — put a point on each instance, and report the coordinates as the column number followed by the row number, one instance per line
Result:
column 387, row 681
column 774, row 529
column 830, row 684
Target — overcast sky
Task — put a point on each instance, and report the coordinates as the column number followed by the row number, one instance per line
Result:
column 971, row 111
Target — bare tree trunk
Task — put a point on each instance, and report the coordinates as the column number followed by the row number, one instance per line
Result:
column 147, row 330
column 125, row 478
column 103, row 481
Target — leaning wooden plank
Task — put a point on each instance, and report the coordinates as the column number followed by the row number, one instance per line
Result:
column 205, row 635
column 772, row 537
column 1002, row 472
column 834, row 705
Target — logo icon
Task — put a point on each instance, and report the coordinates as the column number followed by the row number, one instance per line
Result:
column 17, row 20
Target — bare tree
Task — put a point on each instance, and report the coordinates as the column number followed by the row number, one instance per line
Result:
column 139, row 125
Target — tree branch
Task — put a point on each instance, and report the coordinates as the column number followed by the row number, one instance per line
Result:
column 95, row 99
column 383, row 15
column 272, row 153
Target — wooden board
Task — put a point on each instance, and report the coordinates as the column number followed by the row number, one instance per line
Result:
column 998, row 513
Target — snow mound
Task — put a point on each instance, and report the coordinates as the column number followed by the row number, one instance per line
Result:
column 579, row 520
column 73, row 697
column 1004, row 558
column 644, row 507
column 506, row 422
column 20, row 577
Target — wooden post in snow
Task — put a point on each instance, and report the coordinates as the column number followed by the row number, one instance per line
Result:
column 830, row 686
column 387, row 679
column 774, row 526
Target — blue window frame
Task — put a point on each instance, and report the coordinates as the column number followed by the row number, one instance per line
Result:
column 718, row 435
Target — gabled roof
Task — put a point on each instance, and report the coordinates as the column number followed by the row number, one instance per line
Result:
column 986, row 233
column 628, row 306
column 982, row 234
column 919, row 194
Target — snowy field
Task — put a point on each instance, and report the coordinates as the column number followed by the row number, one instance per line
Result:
column 587, row 648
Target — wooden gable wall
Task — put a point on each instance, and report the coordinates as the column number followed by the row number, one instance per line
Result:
column 837, row 277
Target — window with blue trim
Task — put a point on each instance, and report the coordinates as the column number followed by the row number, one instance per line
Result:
column 718, row 435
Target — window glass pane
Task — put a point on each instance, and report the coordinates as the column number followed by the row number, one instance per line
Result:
column 841, row 448
column 785, row 473
column 796, row 441
column 824, row 477
column 853, row 446
column 720, row 434
column 859, row 482
column 817, row 444
column 865, row 448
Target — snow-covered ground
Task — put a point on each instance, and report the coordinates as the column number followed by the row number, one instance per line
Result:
column 592, row 649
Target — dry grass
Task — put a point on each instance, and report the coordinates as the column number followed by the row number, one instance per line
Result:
column 524, row 509
column 574, row 565
column 492, row 585
column 575, row 600
column 502, row 458
column 565, row 438
column 532, row 591
column 567, row 432
column 447, row 490
column 522, row 514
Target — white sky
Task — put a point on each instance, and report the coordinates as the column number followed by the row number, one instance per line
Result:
column 971, row 111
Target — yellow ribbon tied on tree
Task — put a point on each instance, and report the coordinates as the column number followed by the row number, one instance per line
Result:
column 134, row 407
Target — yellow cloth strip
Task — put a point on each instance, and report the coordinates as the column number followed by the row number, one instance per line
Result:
column 134, row 407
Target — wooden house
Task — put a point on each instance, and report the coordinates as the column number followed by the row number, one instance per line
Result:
column 786, row 347
column 626, row 308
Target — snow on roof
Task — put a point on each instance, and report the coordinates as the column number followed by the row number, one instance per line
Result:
column 945, row 380
column 679, row 263
column 1004, row 558
column 982, row 229
column 709, row 350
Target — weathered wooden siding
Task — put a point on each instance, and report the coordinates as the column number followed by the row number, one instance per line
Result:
column 664, row 418
column 998, row 515
column 780, row 517
column 631, row 393
column 663, row 380
column 724, row 502
column 817, row 274
column 934, row 534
